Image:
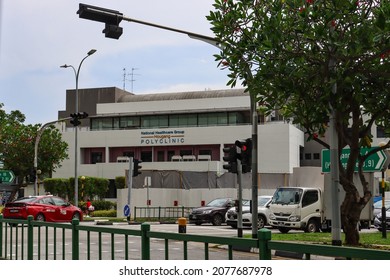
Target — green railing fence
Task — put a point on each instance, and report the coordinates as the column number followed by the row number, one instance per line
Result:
column 29, row 239
column 161, row 213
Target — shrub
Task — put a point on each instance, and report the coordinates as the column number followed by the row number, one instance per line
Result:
column 99, row 205
column 103, row 213
column 120, row 182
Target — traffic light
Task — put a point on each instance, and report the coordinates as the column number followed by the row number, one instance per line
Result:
column 32, row 176
column 136, row 167
column 231, row 159
column 112, row 31
column 111, row 18
column 76, row 118
column 246, row 154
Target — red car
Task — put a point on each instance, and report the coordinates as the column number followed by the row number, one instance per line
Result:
column 43, row 208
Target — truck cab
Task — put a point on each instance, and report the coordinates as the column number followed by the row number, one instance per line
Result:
column 296, row 208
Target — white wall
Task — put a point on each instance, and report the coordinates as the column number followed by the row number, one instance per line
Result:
column 278, row 150
column 195, row 105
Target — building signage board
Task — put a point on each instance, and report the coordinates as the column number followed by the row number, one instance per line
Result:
column 162, row 137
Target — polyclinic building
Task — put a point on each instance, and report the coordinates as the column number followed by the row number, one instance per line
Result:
column 179, row 137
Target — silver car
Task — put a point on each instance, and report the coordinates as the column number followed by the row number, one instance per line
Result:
column 262, row 209
column 378, row 220
column 377, row 207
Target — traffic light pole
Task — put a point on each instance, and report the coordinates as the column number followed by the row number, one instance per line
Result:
column 114, row 17
column 130, row 185
column 239, row 197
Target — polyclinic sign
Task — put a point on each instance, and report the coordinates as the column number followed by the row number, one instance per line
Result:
column 162, row 137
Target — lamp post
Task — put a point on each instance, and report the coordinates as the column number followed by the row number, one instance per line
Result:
column 76, row 73
column 37, row 139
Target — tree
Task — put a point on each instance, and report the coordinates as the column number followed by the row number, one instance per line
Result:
column 17, row 141
column 309, row 58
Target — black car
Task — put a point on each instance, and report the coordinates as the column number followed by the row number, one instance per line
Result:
column 213, row 212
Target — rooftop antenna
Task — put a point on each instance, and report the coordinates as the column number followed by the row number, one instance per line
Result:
column 132, row 80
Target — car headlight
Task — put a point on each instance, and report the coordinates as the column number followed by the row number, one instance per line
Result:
column 294, row 218
column 272, row 216
column 206, row 212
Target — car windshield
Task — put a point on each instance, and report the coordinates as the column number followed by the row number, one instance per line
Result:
column 287, row 196
column 262, row 201
column 219, row 202
column 378, row 204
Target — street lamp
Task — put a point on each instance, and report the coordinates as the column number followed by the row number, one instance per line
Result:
column 37, row 139
column 76, row 73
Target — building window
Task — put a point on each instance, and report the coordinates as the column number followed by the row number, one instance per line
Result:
column 154, row 121
column 146, row 156
column 128, row 154
column 316, row 156
column 185, row 152
column 174, row 120
column 205, row 152
column 96, row 157
column 161, row 156
column 102, row 124
column 170, row 155
column 307, row 156
column 129, row 122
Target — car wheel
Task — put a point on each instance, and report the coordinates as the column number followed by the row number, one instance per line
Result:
column 40, row 217
column 312, row 226
column 260, row 222
column 217, row 220
column 283, row 229
column 76, row 215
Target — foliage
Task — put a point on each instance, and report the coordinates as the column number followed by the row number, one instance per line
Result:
column 311, row 58
column 59, row 187
column 17, row 146
column 99, row 205
column 372, row 239
column 89, row 187
column 387, row 186
column 120, row 182
column 103, row 213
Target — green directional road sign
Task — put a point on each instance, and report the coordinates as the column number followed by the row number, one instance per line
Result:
column 6, row 176
column 373, row 163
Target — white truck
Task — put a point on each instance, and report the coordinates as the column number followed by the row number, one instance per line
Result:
column 309, row 208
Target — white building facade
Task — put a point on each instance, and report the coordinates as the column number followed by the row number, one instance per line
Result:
column 181, row 135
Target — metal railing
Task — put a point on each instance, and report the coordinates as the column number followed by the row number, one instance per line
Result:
column 35, row 240
column 161, row 213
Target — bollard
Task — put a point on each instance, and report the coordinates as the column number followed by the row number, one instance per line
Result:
column 182, row 225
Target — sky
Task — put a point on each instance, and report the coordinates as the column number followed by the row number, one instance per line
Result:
column 37, row 37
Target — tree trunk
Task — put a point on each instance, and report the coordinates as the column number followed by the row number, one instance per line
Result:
column 351, row 209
